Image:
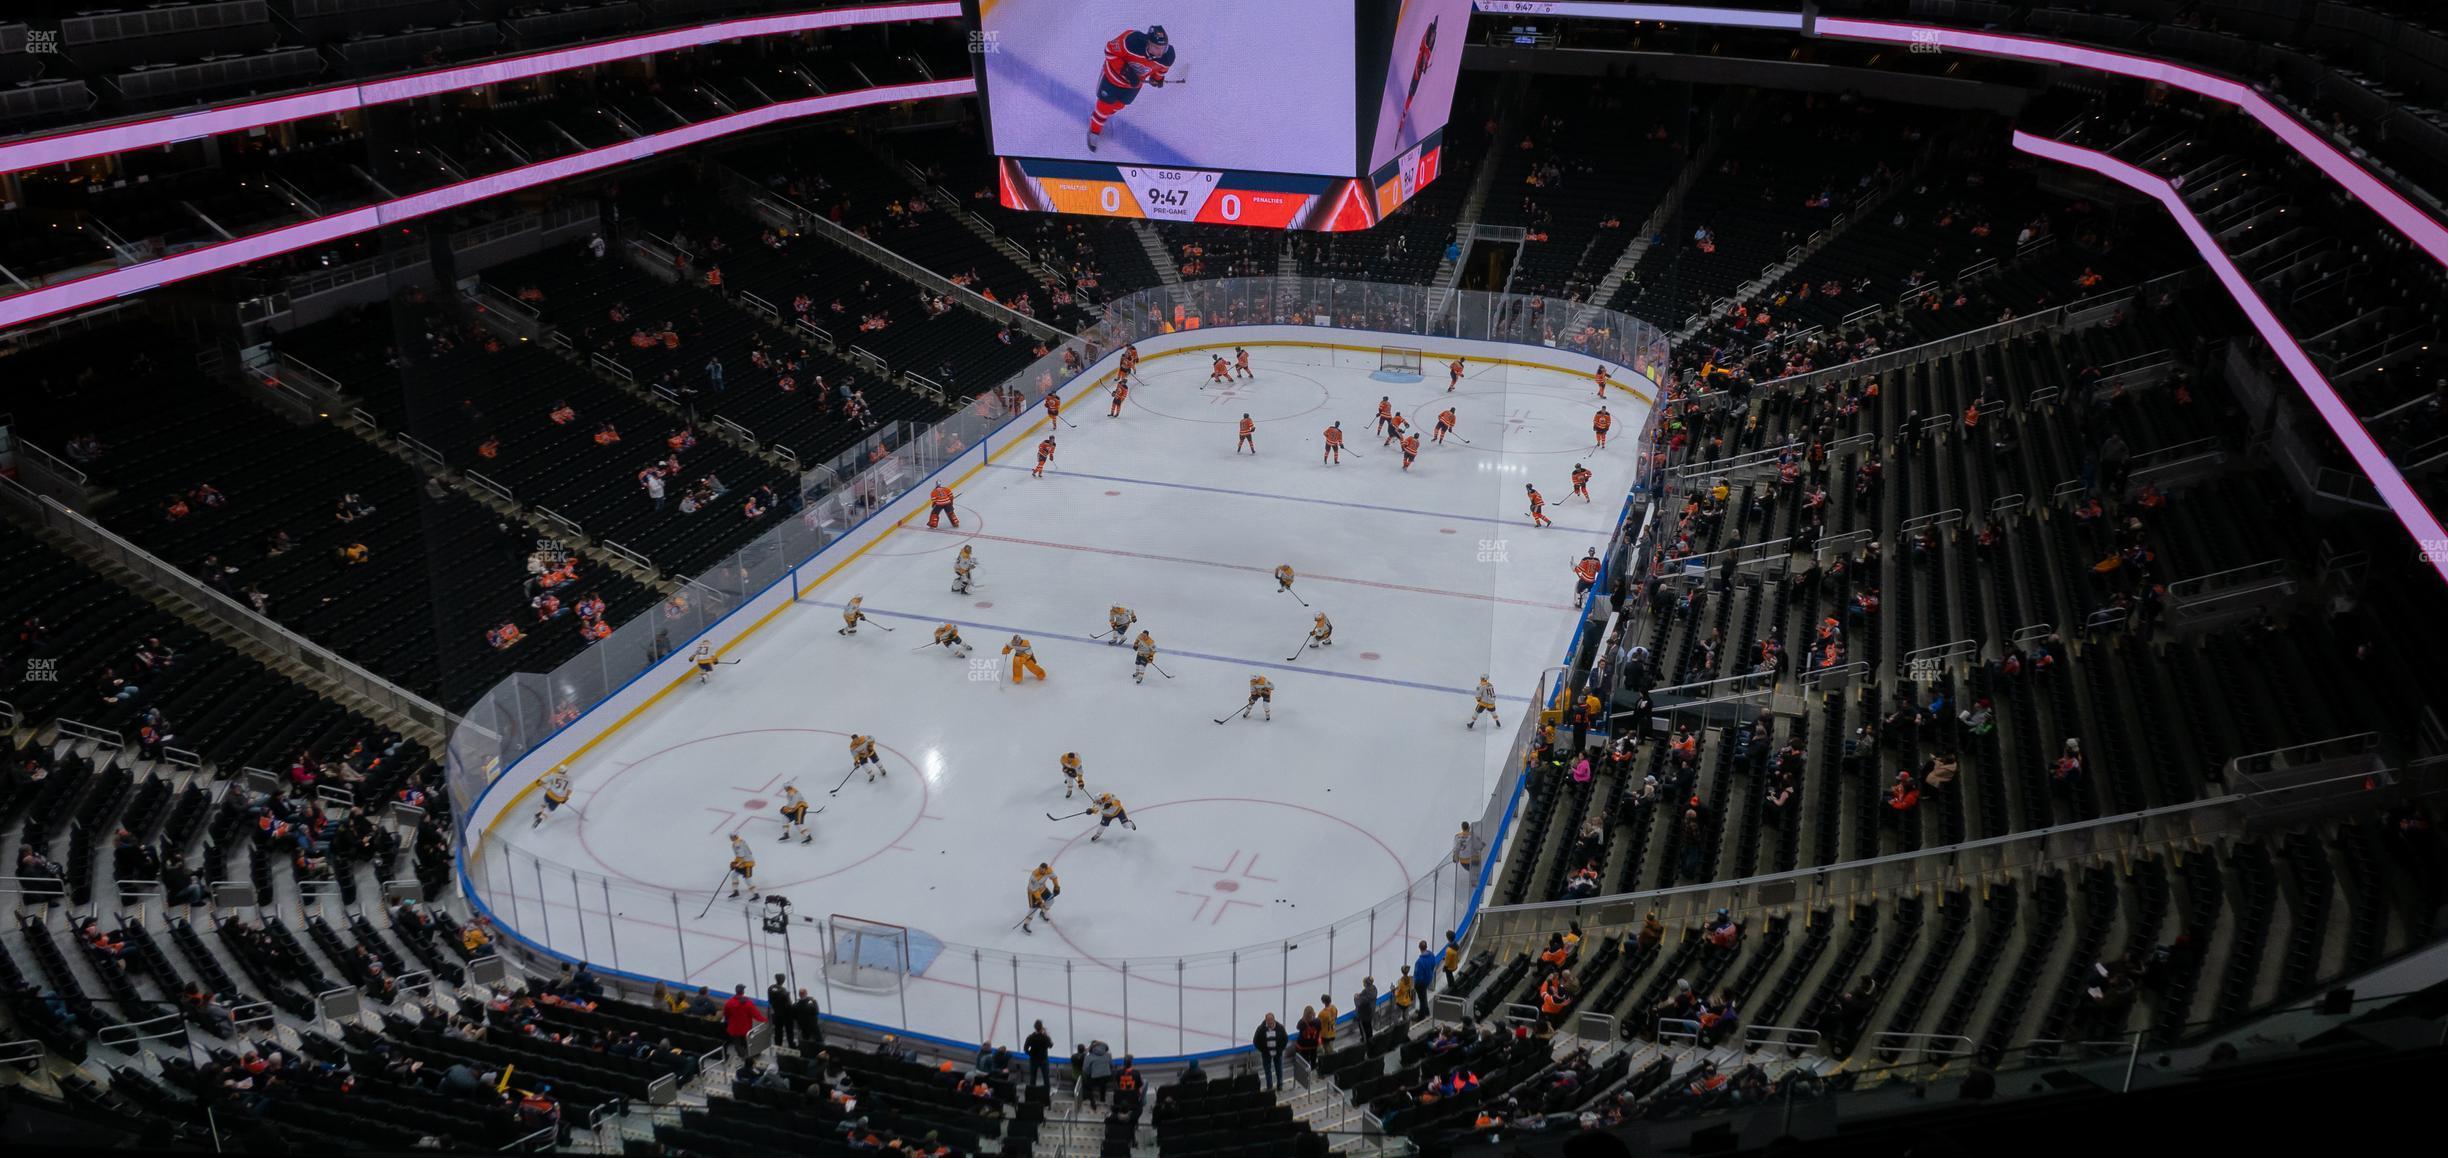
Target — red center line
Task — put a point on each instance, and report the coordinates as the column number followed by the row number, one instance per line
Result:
column 1258, row 570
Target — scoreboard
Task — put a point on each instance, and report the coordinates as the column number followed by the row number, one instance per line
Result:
column 1215, row 197
column 1275, row 114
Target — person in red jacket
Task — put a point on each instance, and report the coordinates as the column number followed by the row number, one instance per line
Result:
column 740, row 1014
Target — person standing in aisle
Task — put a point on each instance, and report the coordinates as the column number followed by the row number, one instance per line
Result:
column 1269, row 1043
column 785, row 1015
column 811, row 1021
column 1423, row 975
column 1364, row 1011
column 740, row 1015
column 1040, row 1048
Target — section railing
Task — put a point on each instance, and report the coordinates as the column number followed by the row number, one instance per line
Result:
column 2176, row 828
column 289, row 645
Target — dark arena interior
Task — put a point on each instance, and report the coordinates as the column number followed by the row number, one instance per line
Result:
column 1983, row 708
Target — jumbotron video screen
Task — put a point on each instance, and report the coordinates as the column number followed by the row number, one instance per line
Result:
column 1287, row 114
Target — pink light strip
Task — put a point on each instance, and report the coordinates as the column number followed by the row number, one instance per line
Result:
column 1616, row 10
column 61, row 148
column 117, row 283
column 2367, row 454
column 2391, row 205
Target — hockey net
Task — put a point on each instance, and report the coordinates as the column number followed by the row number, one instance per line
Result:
column 866, row 956
column 1398, row 360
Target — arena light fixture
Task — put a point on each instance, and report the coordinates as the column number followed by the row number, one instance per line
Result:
column 103, row 140
column 2375, row 464
column 1679, row 13
column 107, row 285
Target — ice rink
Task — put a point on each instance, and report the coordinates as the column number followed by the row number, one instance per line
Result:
column 1253, row 835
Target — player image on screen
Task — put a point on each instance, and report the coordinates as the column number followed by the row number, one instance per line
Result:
column 1132, row 59
column 1263, row 86
column 1419, row 67
column 1419, row 80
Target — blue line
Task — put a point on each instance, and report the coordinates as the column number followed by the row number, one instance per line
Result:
column 1411, row 684
column 1147, row 482
column 1092, row 375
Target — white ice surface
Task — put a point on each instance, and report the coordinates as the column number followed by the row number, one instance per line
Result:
column 1253, row 835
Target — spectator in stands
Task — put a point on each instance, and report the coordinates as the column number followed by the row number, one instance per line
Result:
column 1723, row 931
column 352, row 553
column 1423, row 972
column 1096, row 1067
column 180, row 885
column 115, row 690
column 740, row 1014
column 1269, row 1042
column 1940, row 771
column 785, row 1011
column 1307, row 1035
column 2066, row 774
column 1407, row 1004
column 1038, row 1047
column 1902, row 796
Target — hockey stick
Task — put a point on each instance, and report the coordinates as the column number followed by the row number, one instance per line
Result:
column 1160, row 671
column 1295, row 596
column 717, row 893
column 1070, row 815
column 1302, row 646
column 845, row 781
column 1228, row 716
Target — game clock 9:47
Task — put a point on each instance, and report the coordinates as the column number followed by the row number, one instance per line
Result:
column 1170, row 194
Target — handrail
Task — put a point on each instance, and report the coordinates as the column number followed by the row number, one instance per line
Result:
column 852, row 241
column 2255, row 574
column 53, row 463
column 1899, row 1041
column 1792, row 1036
column 2169, row 813
column 122, row 1035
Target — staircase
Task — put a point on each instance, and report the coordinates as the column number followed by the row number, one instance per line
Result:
column 1328, row 1109
column 943, row 199
column 1167, row 271
column 1695, row 164
column 1448, row 270
column 1817, row 241
column 88, row 542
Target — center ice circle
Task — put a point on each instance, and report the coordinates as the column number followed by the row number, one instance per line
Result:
column 732, row 782
column 1274, row 395
column 1217, row 873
